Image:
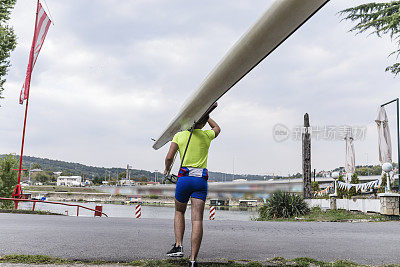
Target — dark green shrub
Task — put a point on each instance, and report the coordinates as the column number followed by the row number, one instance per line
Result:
column 382, row 188
column 8, row 178
column 352, row 191
column 341, row 192
column 153, row 196
column 315, row 186
column 283, row 205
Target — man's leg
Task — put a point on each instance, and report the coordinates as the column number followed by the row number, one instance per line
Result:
column 179, row 222
column 197, row 226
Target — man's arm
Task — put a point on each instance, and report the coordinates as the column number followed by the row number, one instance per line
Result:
column 214, row 126
column 170, row 156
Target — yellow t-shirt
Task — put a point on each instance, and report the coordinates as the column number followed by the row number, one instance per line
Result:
column 197, row 152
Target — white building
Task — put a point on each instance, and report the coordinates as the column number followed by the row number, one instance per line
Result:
column 126, row 182
column 69, row 181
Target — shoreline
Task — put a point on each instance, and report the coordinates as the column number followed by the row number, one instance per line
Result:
column 106, row 198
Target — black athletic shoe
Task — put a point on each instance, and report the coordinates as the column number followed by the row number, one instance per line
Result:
column 176, row 251
column 193, row 264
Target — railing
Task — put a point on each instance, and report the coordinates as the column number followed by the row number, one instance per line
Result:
column 52, row 202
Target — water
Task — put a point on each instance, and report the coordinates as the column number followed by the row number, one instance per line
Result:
column 128, row 211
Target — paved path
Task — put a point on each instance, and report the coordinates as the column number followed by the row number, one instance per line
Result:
column 123, row 239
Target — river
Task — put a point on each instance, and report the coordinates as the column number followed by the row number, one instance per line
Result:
column 128, row 211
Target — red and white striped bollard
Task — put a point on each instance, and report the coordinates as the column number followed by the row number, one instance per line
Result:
column 212, row 213
column 138, row 211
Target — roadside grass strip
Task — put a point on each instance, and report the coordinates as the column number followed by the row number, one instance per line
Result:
column 37, row 212
column 277, row 261
column 318, row 215
column 342, row 215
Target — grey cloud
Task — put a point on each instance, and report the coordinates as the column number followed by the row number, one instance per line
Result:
column 112, row 74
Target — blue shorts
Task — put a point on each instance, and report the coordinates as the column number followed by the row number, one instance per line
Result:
column 188, row 186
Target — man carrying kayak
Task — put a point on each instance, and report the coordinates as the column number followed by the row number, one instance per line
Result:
column 192, row 182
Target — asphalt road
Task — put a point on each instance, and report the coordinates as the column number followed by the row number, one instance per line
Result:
column 125, row 239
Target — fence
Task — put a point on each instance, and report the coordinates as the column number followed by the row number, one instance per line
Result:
column 364, row 205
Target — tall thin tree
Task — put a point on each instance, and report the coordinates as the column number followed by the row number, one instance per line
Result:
column 8, row 40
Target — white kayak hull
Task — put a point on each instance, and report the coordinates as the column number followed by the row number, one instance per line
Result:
column 282, row 19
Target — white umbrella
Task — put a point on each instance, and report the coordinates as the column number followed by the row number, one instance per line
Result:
column 350, row 166
column 385, row 145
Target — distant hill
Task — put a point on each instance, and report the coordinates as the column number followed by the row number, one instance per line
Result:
column 91, row 172
column 79, row 169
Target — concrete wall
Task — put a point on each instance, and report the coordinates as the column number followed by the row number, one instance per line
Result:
column 322, row 203
column 364, row 205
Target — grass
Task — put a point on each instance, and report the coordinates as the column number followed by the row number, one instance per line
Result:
column 317, row 214
column 305, row 262
column 277, row 261
column 38, row 212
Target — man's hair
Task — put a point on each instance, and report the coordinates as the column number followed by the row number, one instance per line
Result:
column 202, row 121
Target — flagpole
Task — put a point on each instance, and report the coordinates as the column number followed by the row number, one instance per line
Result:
column 23, row 141
column 18, row 189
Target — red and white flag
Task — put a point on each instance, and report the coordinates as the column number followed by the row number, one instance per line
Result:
column 42, row 26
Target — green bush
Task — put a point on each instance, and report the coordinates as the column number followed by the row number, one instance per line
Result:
column 315, row 186
column 283, row 205
column 8, row 178
column 153, row 196
column 383, row 184
column 352, row 191
column 341, row 192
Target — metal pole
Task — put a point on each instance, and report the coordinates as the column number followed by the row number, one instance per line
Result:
column 398, row 137
column 23, row 141
column 30, row 167
column 336, row 187
column 233, row 168
column 387, row 103
column 18, row 191
column 398, row 144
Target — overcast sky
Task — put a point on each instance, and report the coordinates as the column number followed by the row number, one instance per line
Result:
column 112, row 74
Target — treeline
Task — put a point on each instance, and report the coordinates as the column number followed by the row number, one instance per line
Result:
column 71, row 168
column 100, row 173
column 367, row 169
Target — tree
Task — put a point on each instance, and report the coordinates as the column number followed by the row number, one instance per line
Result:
column 315, row 186
column 382, row 19
column 35, row 165
column 98, row 180
column 341, row 192
column 64, row 173
column 8, row 40
column 354, row 180
column 122, row 175
column 44, row 177
column 8, row 178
